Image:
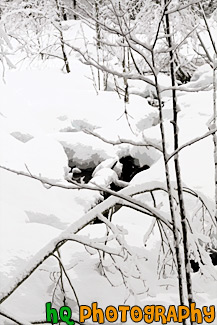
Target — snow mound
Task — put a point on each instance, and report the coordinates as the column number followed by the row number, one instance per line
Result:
column 16, row 253
column 104, row 177
column 85, row 150
column 202, row 77
column 143, row 89
column 45, row 157
column 111, row 163
column 11, row 152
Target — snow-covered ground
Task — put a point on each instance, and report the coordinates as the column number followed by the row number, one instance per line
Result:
column 43, row 115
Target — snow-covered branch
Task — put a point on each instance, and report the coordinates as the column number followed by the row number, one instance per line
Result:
column 143, row 143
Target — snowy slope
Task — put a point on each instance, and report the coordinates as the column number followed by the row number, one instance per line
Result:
column 42, row 117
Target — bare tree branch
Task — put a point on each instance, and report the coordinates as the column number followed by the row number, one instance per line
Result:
column 189, row 143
